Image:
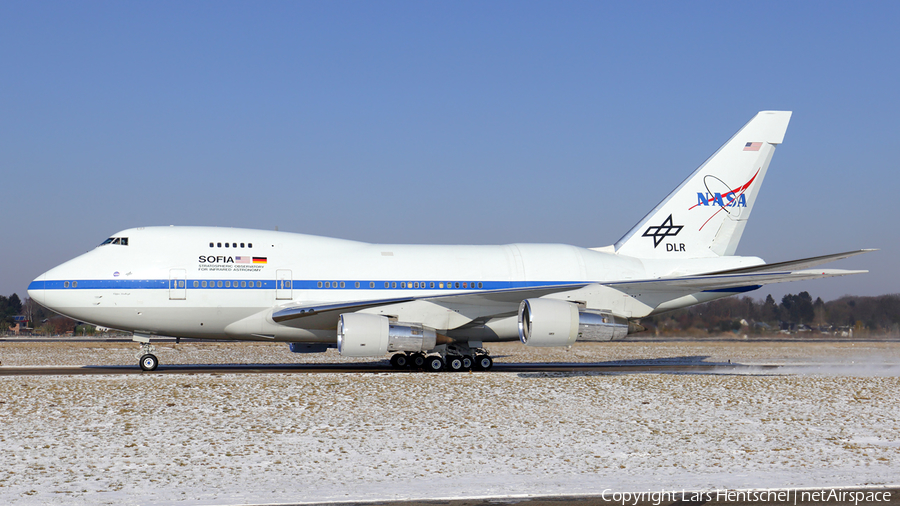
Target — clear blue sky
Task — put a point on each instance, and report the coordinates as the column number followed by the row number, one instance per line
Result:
column 443, row 122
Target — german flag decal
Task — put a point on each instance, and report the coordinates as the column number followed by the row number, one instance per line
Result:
column 259, row 260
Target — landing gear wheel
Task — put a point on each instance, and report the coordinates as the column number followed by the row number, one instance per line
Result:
column 399, row 361
column 467, row 363
column 434, row 364
column 483, row 363
column 455, row 364
column 417, row 361
column 149, row 362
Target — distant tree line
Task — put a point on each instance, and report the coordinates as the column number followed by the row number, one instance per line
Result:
column 42, row 320
column 9, row 307
column 796, row 313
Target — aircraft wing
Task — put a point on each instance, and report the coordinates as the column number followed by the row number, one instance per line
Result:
column 484, row 298
column 499, row 302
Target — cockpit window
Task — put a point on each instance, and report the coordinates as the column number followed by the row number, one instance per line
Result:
column 122, row 241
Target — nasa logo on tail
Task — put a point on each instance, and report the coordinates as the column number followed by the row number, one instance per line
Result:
column 720, row 196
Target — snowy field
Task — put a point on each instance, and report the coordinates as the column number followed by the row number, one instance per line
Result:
column 238, row 438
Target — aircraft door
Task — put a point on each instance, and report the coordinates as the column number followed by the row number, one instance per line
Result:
column 283, row 284
column 177, row 284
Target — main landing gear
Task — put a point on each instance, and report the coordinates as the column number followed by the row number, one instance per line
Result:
column 146, row 358
column 452, row 357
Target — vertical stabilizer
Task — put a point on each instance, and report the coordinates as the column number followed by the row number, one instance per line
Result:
column 706, row 215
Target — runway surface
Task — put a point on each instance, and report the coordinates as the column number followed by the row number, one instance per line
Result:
column 379, row 369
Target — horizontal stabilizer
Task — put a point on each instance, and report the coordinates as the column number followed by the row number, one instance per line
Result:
column 804, row 263
column 722, row 282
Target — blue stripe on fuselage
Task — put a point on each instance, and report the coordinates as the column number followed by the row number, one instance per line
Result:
column 163, row 284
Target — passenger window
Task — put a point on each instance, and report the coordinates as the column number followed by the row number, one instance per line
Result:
column 328, row 284
column 211, row 245
column 259, row 284
column 440, row 285
column 319, row 284
column 203, row 284
column 74, row 284
column 196, row 284
column 431, row 285
column 249, row 244
column 180, row 284
column 228, row 284
column 234, row 245
column 66, row 284
column 457, row 284
column 243, row 284
column 242, row 245
column 371, row 284
column 356, row 285
column 342, row 284
column 218, row 244
column 393, row 284
column 218, row 284
column 480, row 285
column 403, row 284
column 226, row 244
column 287, row 283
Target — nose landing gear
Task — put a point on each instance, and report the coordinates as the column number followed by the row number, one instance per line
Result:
column 146, row 358
column 149, row 362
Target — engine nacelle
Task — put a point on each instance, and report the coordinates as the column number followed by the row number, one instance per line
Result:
column 548, row 322
column 552, row 322
column 368, row 335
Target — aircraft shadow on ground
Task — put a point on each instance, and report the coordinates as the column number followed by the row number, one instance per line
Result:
column 693, row 364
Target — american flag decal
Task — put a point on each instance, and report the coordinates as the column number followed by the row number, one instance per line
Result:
column 752, row 146
column 243, row 260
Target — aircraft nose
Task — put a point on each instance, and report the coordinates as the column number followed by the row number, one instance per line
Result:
column 36, row 289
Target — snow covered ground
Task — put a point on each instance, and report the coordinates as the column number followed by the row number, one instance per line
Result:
column 223, row 439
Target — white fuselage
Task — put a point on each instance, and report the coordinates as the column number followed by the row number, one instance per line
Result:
column 185, row 282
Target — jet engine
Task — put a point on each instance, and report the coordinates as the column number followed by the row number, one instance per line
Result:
column 368, row 335
column 552, row 322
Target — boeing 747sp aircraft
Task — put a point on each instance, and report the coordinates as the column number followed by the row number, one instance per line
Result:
column 432, row 306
